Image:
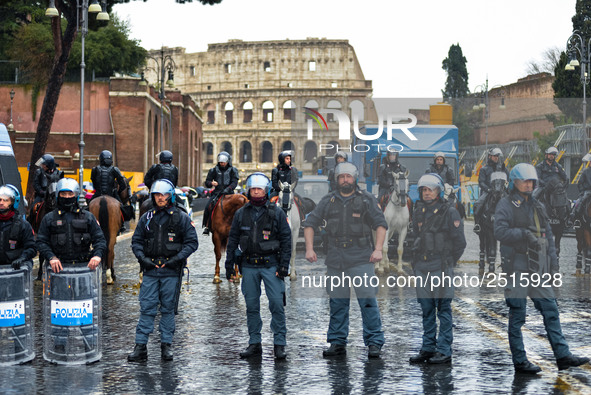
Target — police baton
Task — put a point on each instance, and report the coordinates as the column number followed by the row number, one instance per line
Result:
column 177, row 294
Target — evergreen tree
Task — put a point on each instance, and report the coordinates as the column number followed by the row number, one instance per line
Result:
column 456, row 85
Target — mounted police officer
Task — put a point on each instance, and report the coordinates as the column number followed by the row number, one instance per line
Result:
column 284, row 174
column 494, row 163
column 17, row 243
column 260, row 244
column 440, row 168
column 527, row 249
column 351, row 215
column 46, row 174
column 439, row 244
column 549, row 168
column 224, row 179
column 106, row 178
column 163, row 170
column 385, row 177
column 339, row 157
column 584, row 187
column 163, row 240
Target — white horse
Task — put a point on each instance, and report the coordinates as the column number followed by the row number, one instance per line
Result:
column 397, row 218
column 293, row 216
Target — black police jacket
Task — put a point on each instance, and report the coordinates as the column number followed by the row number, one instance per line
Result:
column 446, row 174
column 486, row 172
column 584, row 184
column 546, row 172
column 267, row 233
column 72, row 236
column 160, row 171
column 385, row 177
column 16, row 240
column 103, row 179
column 164, row 233
column 281, row 174
column 227, row 179
column 350, row 221
column 43, row 179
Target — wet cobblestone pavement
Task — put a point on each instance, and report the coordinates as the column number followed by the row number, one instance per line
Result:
column 211, row 331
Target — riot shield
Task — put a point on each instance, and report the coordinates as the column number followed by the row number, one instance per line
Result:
column 72, row 315
column 16, row 315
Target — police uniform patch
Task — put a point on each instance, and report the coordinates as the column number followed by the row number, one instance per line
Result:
column 356, row 215
column 59, row 222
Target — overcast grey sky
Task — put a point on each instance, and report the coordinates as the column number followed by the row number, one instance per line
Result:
column 399, row 43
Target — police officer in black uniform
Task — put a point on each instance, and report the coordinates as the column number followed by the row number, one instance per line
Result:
column 550, row 168
column 350, row 214
column 440, row 168
column 584, row 187
column 528, row 250
column 163, row 170
column 224, row 179
column 439, row 244
column 283, row 174
column 339, row 157
column 105, row 175
column 163, row 240
column 17, row 243
column 493, row 164
column 46, row 174
column 385, row 177
column 260, row 244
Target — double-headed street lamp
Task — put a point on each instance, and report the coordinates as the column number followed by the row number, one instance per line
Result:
column 10, row 126
column 577, row 44
column 164, row 64
column 485, row 103
column 83, row 9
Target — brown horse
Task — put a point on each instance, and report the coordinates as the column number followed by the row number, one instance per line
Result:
column 221, row 221
column 584, row 241
column 107, row 210
column 38, row 211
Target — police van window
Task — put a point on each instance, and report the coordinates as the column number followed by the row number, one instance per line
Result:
column 418, row 165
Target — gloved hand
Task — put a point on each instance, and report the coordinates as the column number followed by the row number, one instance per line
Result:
column 532, row 240
column 147, row 264
column 16, row 264
column 226, row 190
column 282, row 271
column 174, row 263
column 230, row 270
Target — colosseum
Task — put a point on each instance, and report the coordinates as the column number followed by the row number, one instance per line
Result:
column 253, row 96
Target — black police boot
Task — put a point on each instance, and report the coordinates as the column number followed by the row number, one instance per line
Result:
column 139, row 354
column 577, row 224
column 439, row 358
column 334, row 350
column 252, row 350
column 421, row 357
column 279, row 352
column 571, row 360
column 527, row 367
column 374, row 351
column 166, row 351
column 206, row 231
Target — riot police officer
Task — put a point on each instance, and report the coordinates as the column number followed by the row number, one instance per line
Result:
column 17, row 245
column 550, row 168
column 70, row 235
column 494, row 163
column 350, row 214
column 105, row 175
column 260, row 244
column 163, row 240
column 527, row 249
column 46, row 174
column 339, row 157
column 224, row 179
column 385, row 177
column 440, row 168
column 439, row 244
column 282, row 174
column 584, row 187
column 163, row 170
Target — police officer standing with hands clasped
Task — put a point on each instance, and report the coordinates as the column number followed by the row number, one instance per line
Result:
column 527, row 252
column 163, row 240
column 350, row 215
column 260, row 245
column 439, row 245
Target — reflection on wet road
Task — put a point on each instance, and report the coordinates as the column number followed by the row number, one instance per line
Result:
column 211, row 331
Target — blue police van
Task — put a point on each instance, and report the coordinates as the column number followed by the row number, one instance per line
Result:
column 9, row 173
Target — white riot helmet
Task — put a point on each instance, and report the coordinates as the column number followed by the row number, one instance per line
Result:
column 346, row 168
column 586, row 158
column 258, row 180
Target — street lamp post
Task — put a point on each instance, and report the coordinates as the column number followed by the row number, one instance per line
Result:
column 576, row 44
column 485, row 104
column 164, row 63
column 10, row 125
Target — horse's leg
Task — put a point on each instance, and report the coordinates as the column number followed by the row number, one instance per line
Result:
column 218, row 256
column 110, row 260
column 401, row 238
column 482, row 256
column 385, row 262
column 492, row 253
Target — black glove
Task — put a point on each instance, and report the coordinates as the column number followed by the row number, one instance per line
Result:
column 229, row 270
column 282, row 271
column 227, row 190
column 16, row 264
column 147, row 264
column 174, row 263
column 532, row 240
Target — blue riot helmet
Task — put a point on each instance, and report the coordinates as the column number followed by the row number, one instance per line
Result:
column 164, row 187
column 522, row 171
column 346, row 168
column 47, row 160
column 165, row 156
column 106, row 158
column 11, row 192
column 258, row 180
column 430, row 181
column 67, row 184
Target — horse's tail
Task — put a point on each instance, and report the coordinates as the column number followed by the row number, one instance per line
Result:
column 103, row 218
